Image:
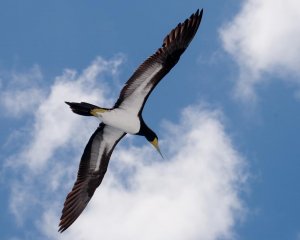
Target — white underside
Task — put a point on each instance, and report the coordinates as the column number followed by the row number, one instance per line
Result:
column 121, row 119
column 125, row 117
column 134, row 101
column 108, row 139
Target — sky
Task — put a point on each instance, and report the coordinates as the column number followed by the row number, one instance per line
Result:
column 227, row 117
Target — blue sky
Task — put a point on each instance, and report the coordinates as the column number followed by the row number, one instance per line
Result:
column 227, row 116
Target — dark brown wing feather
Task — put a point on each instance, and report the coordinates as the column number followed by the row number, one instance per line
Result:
column 90, row 173
column 133, row 95
column 137, row 89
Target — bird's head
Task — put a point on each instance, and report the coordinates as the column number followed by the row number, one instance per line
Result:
column 150, row 136
column 153, row 139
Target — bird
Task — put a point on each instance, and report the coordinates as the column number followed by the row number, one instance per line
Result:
column 124, row 117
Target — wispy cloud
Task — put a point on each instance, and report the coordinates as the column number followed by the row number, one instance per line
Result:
column 54, row 127
column 53, row 124
column 194, row 194
column 21, row 93
column 264, row 38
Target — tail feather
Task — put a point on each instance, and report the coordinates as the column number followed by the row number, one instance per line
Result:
column 82, row 108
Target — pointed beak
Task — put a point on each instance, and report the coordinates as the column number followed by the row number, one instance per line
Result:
column 159, row 152
column 155, row 144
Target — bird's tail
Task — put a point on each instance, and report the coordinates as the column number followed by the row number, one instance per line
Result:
column 85, row 109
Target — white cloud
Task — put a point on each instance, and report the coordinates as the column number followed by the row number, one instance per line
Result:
column 264, row 38
column 19, row 102
column 54, row 127
column 22, row 92
column 54, row 122
column 16, row 203
column 194, row 194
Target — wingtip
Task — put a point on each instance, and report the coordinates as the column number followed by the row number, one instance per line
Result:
column 63, row 227
column 60, row 229
column 201, row 12
column 197, row 15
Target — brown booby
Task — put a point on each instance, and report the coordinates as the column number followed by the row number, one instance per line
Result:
column 124, row 117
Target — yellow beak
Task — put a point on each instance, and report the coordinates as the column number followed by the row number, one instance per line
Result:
column 155, row 144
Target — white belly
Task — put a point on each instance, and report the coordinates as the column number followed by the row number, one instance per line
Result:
column 118, row 118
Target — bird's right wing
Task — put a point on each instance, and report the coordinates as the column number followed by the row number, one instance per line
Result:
column 139, row 86
column 92, row 168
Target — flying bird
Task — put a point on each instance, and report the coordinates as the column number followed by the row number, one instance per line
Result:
column 124, row 117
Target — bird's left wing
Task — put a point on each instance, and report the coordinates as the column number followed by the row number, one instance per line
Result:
column 92, row 168
column 137, row 89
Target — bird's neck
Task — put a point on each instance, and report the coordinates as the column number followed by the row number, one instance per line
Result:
column 146, row 131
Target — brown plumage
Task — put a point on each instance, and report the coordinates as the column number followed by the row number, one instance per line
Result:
column 87, row 178
column 96, row 155
column 174, row 44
